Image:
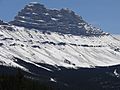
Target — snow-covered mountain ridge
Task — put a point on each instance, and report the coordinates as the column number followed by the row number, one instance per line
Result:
column 34, row 46
column 35, row 37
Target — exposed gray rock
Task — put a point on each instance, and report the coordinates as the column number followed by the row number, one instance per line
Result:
column 3, row 23
column 63, row 21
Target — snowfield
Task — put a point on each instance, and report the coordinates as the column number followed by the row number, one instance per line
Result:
column 70, row 51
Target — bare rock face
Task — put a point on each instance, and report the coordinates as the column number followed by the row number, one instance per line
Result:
column 3, row 23
column 63, row 21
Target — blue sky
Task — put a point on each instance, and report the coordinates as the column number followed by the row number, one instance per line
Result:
column 101, row 13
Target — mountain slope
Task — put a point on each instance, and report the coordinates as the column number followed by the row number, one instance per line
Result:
column 35, row 37
column 34, row 46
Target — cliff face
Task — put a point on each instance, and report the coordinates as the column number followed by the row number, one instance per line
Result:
column 63, row 21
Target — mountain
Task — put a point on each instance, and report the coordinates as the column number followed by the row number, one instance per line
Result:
column 64, row 21
column 29, row 39
column 58, row 46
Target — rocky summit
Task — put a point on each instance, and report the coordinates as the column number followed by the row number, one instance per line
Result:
column 65, row 21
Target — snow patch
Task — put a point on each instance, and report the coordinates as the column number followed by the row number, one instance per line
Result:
column 40, row 20
column 116, row 74
column 54, row 19
column 46, row 13
column 53, row 80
